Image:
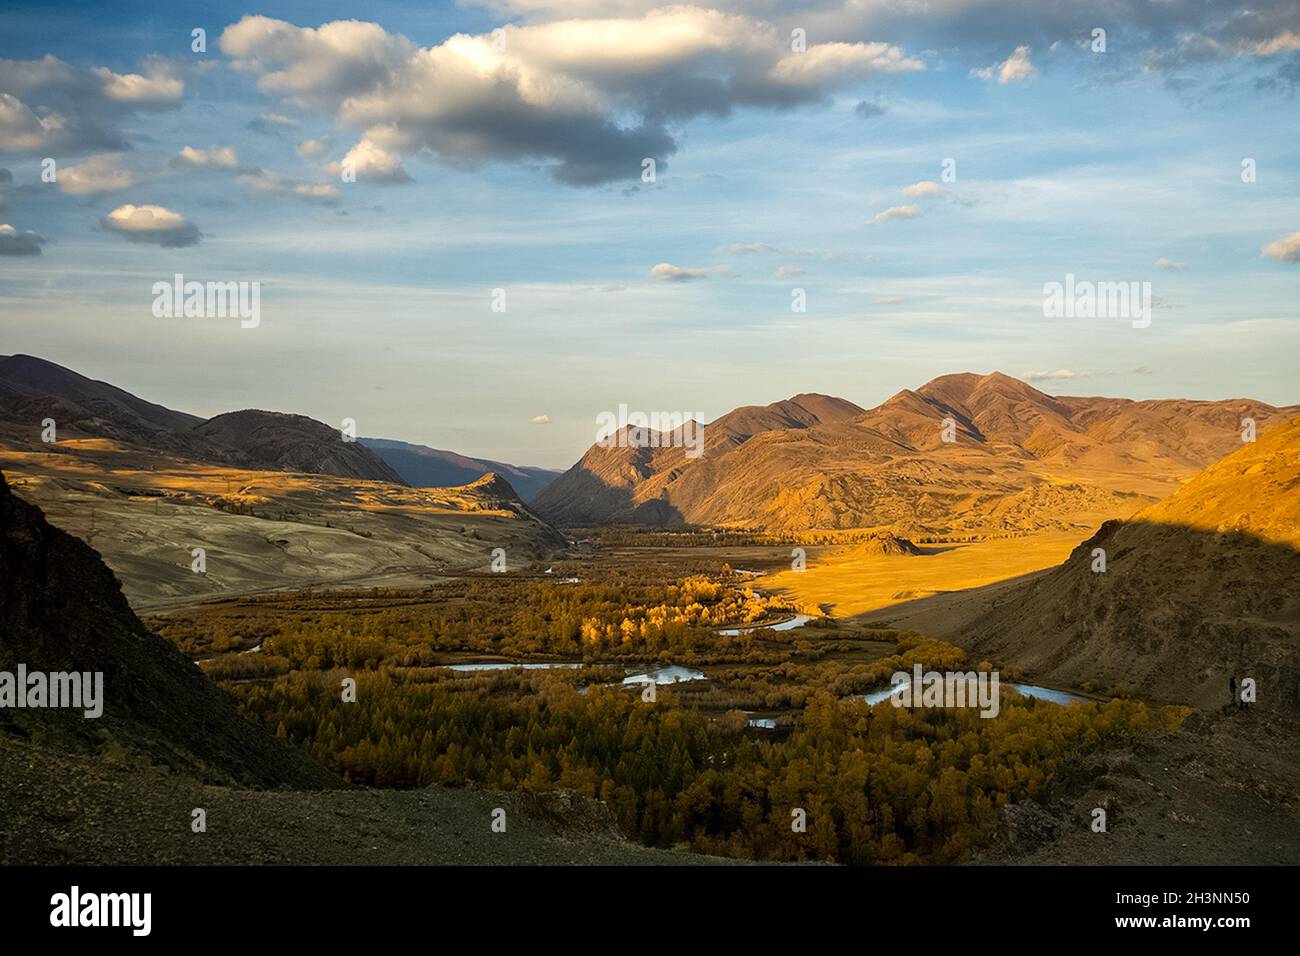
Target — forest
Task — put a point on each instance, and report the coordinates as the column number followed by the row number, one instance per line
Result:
column 879, row 785
column 684, row 769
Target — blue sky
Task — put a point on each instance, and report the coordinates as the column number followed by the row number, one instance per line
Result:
column 522, row 174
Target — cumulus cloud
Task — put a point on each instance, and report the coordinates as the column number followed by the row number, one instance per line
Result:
column 667, row 272
column 372, row 163
column 590, row 99
column 1014, row 69
column 923, row 190
column 1168, row 35
column 15, row 243
column 1286, row 249
column 310, row 148
column 540, row 420
column 48, row 105
column 896, row 212
column 155, row 225
column 1170, row 264
column 98, row 174
column 219, row 157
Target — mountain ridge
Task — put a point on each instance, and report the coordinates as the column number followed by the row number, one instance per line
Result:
column 894, row 468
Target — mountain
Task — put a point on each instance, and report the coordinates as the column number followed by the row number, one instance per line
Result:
column 274, row 500
column 1196, row 588
column 423, row 467
column 1019, row 461
column 32, row 389
column 279, row 442
column 62, row 610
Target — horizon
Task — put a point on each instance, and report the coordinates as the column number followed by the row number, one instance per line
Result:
column 914, row 182
column 505, row 459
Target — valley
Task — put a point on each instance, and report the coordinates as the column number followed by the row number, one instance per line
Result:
column 689, row 684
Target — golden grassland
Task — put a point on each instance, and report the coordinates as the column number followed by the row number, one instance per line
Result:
column 848, row 582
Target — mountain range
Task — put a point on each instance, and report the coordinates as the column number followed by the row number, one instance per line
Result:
column 273, row 500
column 963, row 455
column 423, row 467
column 33, row 390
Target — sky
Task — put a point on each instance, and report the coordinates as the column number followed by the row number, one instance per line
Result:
column 913, row 173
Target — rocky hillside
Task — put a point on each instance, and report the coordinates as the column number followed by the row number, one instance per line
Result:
column 61, row 609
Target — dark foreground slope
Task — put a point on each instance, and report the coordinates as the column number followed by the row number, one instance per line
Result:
column 62, row 610
column 58, row 808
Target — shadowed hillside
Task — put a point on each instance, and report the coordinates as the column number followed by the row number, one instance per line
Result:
column 61, row 609
column 424, row 467
column 1197, row 588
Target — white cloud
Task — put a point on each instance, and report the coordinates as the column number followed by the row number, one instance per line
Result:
column 590, row 98
column 310, row 148
column 156, row 225
column 372, row 163
column 22, row 129
column 1286, row 249
column 222, row 157
column 832, row 62
column 98, row 174
column 922, row 190
column 50, row 105
column 1170, row 264
column 159, row 87
column 1014, row 69
column 1286, row 42
column 268, row 182
column 788, row 272
column 667, row 272
column 896, row 212
column 540, row 420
